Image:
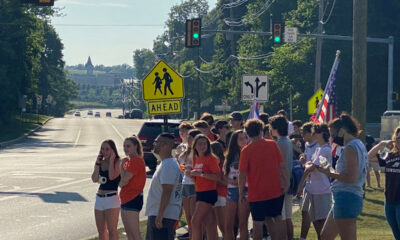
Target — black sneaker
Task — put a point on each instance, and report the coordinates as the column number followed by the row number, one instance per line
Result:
column 184, row 236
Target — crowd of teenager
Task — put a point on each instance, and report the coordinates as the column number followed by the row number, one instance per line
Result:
column 225, row 171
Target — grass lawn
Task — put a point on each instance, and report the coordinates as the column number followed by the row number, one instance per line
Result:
column 19, row 126
column 371, row 224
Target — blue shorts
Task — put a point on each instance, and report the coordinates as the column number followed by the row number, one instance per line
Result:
column 135, row 204
column 346, row 205
column 233, row 194
column 209, row 197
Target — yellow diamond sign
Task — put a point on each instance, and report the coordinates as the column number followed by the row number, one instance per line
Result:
column 162, row 82
column 314, row 100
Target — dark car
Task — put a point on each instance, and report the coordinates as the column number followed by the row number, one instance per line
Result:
column 90, row 112
column 97, row 114
column 108, row 114
column 149, row 131
column 135, row 113
column 77, row 114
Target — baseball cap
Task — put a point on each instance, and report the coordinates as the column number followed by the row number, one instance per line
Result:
column 236, row 116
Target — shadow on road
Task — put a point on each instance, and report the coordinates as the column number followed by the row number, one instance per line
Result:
column 57, row 197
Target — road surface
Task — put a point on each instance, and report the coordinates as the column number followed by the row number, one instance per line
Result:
column 45, row 186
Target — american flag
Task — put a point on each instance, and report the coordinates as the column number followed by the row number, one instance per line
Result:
column 254, row 111
column 327, row 111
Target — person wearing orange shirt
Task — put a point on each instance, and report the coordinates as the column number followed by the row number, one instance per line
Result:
column 133, row 179
column 206, row 173
column 261, row 159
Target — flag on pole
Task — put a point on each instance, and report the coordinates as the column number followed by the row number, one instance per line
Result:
column 254, row 111
column 326, row 109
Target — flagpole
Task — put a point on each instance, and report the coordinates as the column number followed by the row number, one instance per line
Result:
column 327, row 84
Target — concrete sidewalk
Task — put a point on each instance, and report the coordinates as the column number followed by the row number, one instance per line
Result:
column 184, row 229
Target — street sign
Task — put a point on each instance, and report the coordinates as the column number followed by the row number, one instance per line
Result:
column 314, row 100
column 291, row 34
column 164, row 107
column 222, row 108
column 162, row 82
column 39, row 99
column 255, row 86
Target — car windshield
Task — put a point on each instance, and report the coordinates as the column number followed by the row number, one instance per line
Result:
column 152, row 130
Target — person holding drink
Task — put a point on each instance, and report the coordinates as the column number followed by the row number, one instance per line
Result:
column 349, row 177
column 390, row 158
column 317, row 190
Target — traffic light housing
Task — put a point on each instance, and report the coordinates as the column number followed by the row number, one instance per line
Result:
column 277, row 33
column 193, row 33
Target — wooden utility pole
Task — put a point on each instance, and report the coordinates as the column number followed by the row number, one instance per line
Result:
column 359, row 87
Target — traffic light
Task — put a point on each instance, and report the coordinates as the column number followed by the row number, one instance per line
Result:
column 193, row 33
column 395, row 96
column 277, row 33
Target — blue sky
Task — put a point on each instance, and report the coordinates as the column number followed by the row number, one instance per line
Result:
column 110, row 45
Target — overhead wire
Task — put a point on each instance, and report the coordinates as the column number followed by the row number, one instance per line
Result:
column 330, row 14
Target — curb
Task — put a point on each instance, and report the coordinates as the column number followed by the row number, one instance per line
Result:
column 8, row 143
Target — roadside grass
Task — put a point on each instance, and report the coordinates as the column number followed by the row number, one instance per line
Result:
column 371, row 224
column 20, row 125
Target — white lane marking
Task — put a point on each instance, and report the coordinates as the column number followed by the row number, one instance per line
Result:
column 44, row 189
column 77, row 137
column 116, row 130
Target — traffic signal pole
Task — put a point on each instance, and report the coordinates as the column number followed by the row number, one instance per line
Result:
column 389, row 41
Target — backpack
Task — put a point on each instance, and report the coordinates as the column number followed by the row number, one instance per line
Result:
column 297, row 174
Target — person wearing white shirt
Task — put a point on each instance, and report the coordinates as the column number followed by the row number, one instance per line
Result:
column 317, row 189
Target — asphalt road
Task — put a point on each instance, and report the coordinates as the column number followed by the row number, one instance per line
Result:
column 45, row 186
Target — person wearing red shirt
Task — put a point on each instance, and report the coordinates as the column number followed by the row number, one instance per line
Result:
column 261, row 159
column 133, row 179
column 206, row 173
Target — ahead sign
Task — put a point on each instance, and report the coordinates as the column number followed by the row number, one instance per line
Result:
column 164, row 107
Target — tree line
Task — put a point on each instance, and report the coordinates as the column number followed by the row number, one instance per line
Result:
column 217, row 67
column 31, row 62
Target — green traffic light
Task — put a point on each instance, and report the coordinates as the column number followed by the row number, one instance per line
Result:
column 277, row 39
column 195, row 35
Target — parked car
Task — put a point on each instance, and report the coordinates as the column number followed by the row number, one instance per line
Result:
column 90, row 112
column 108, row 114
column 77, row 114
column 149, row 131
column 97, row 114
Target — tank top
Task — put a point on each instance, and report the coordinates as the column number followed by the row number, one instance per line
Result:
column 362, row 156
column 110, row 184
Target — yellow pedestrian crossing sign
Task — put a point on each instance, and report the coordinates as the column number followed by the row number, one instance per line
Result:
column 314, row 100
column 162, row 82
